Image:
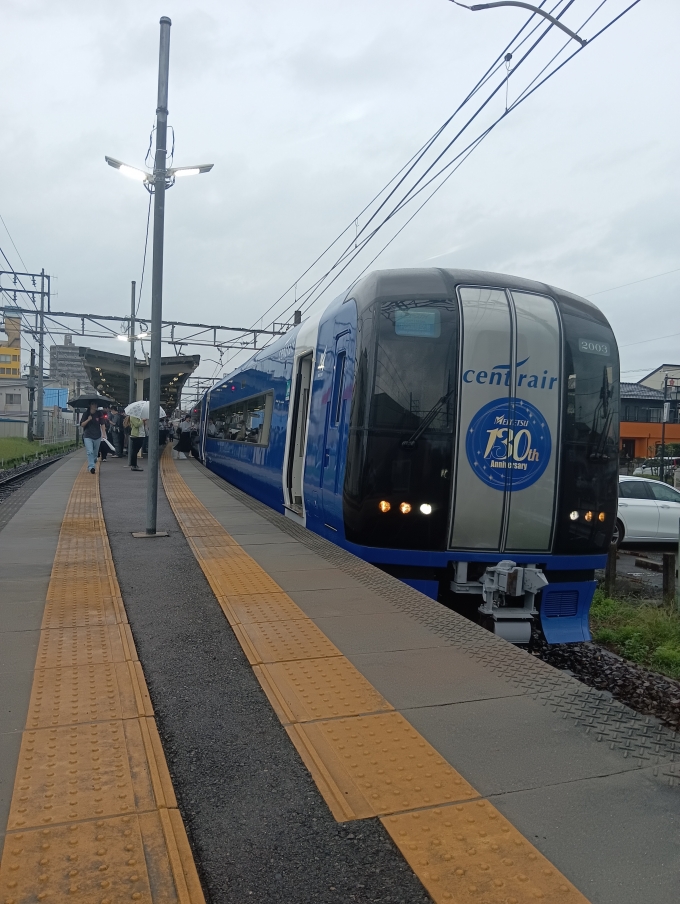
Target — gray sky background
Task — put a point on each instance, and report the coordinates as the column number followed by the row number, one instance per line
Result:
column 306, row 109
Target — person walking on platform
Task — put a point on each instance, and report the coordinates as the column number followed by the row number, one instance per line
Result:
column 116, row 422
column 103, row 447
column 92, row 423
column 137, row 437
column 184, row 440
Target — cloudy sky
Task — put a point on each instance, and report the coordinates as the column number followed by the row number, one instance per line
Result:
column 309, row 107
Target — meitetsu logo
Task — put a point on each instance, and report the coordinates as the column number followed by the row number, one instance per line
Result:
column 499, row 375
column 508, row 444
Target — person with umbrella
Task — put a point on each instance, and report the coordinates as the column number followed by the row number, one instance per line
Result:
column 137, row 435
column 138, row 413
column 92, row 423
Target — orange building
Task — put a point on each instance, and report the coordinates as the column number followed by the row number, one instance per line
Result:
column 642, row 412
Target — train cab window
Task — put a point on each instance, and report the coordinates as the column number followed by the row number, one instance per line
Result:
column 402, row 424
column 246, row 421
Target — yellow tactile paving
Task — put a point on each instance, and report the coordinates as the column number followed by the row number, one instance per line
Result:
column 93, row 818
column 308, row 689
column 88, row 693
column 379, row 764
column 251, row 608
column 365, row 763
column 279, row 641
column 470, row 852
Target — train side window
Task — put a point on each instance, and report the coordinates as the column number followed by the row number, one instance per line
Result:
column 634, row 489
column 247, row 421
column 337, row 389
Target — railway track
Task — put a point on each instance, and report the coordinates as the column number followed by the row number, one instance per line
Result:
column 11, row 481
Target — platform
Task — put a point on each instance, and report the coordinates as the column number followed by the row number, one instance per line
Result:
column 325, row 733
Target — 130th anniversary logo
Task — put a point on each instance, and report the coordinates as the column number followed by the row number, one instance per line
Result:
column 508, row 444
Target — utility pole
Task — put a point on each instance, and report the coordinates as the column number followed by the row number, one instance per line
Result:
column 31, row 396
column 41, row 358
column 132, row 394
column 132, row 391
column 159, row 178
column 664, row 418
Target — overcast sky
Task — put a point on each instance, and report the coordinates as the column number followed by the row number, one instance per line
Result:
column 307, row 108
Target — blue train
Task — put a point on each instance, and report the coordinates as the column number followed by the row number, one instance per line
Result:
column 458, row 429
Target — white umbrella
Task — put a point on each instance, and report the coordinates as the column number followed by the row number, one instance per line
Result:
column 141, row 410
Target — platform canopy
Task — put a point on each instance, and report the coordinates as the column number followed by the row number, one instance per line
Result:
column 109, row 373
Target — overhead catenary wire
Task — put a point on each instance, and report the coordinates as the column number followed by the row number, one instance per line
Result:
column 322, row 284
column 525, row 95
column 146, row 245
column 404, row 172
column 408, row 166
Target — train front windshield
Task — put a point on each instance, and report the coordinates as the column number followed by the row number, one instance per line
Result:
column 423, row 363
column 402, row 425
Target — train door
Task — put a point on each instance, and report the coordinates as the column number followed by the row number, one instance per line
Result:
column 336, row 422
column 298, row 436
column 509, row 418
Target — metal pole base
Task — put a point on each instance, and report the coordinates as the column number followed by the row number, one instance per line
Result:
column 142, row 534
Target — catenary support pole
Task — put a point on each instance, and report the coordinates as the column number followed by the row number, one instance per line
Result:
column 610, row 570
column 664, row 418
column 131, row 338
column 159, row 177
column 677, row 571
column 31, row 396
column 40, row 427
column 668, row 578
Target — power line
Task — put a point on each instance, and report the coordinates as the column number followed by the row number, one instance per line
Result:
column 637, row 281
column 13, row 245
column 410, row 164
column 146, row 245
column 411, row 193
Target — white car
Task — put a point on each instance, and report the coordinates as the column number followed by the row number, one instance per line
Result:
column 649, row 511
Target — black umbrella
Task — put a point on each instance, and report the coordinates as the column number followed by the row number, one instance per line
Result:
column 86, row 400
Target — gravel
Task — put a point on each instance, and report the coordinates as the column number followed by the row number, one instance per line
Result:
column 258, row 826
column 646, row 692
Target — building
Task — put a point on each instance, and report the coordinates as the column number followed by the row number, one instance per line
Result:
column 668, row 372
column 91, row 371
column 10, row 345
column 66, row 366
column 59, row 421
column 642, row 413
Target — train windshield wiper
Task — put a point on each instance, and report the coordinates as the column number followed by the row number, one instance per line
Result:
column 427, row 420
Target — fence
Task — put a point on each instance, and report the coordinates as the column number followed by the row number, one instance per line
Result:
column 57, row 429
column 10, row 427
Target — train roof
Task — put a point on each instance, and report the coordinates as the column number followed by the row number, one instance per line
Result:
column 437, row 282
column 427, row 283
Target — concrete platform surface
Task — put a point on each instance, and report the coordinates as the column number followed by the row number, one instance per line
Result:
column 591, row 785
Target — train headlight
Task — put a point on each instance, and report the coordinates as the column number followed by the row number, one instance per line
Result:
column 573, row 516
column 601, row 516
column 588, row 516
column 384, row 505
column 405, row 508
column 426, row 508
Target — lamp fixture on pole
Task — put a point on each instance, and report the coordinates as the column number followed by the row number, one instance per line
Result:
column 531, row 8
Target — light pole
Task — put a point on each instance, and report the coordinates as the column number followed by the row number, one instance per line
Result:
column 534, row 9
column 162, row 177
